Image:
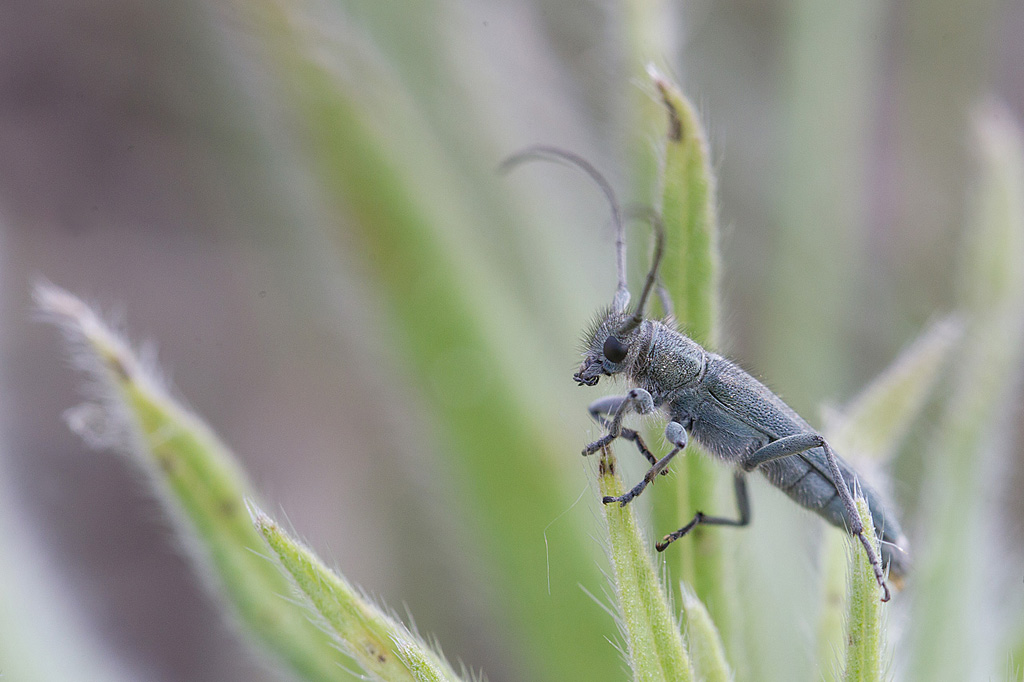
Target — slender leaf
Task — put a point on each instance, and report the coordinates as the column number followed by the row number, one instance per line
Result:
column 877, row 420
column 703, row 640
column 385, row 648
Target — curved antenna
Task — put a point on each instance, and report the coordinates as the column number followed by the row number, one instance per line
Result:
column 547, row 153
column 654, row 218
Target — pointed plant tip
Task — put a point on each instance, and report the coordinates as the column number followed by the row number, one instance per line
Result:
column 56, row 302
column 858, row 492
column 90, row 337
column 260, row 519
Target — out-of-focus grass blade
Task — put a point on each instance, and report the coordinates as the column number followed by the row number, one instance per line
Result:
column 650, row 34
column 690, row 274
column 1017, row 653
column 832, row 620
column 198, row 481
column 864, row 648
column 954, row 590
column 871, row 429
column 481, row 372
column 654, row 642
column 385, row 648
column 829, row 72
column 705, row 644
column 876, row 421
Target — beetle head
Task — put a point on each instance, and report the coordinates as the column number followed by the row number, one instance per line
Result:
column 606, row 348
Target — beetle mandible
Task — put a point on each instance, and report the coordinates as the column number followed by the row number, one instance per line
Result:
column 711, row 399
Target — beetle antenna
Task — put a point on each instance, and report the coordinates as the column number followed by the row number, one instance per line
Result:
column 547, row 153
column 652, row 216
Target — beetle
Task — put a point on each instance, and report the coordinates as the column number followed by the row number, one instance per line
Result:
column 705, row 396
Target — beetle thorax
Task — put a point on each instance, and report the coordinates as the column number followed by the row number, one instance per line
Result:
column 667, row 360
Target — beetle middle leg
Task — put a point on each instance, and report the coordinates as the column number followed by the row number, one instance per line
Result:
column 742, row 504
column 801, row 442
column 636, row 399
column 674, row 434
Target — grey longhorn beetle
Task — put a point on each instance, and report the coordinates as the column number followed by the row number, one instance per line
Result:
column 707, row 397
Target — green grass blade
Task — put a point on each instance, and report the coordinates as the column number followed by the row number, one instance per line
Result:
column 877, row 420
column 649, row 35
column 654, row 642
column 954, row 599
column 864, row 648
column 199, row 483
column 385, row 648
column 703, row 640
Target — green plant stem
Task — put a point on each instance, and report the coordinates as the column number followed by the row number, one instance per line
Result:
column 832, row 620
column 872, row 427
column 655, row 645
column 864, row 629
column 830, row 68
column 690, row 273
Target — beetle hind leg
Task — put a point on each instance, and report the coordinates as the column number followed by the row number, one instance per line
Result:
column 742, row 504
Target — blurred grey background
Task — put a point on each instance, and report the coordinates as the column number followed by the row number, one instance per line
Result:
column 146, row 164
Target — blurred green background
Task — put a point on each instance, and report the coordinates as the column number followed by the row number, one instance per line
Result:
column 225, row 178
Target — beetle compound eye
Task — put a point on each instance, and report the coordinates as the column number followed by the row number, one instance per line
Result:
column 614, row 351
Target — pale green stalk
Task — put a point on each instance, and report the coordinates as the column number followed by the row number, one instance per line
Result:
column 864, row 647
column 650, row 35
column 869, row 430
column 199, row 483
column 690, row 272
column 383, row 646
column 653, row 640
column 830, row 75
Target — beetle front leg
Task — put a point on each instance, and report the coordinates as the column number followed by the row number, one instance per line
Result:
column 639, row 400
column 674, row 434
column 608, row 405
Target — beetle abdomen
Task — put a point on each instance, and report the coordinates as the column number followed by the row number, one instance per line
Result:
column 802, row 477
